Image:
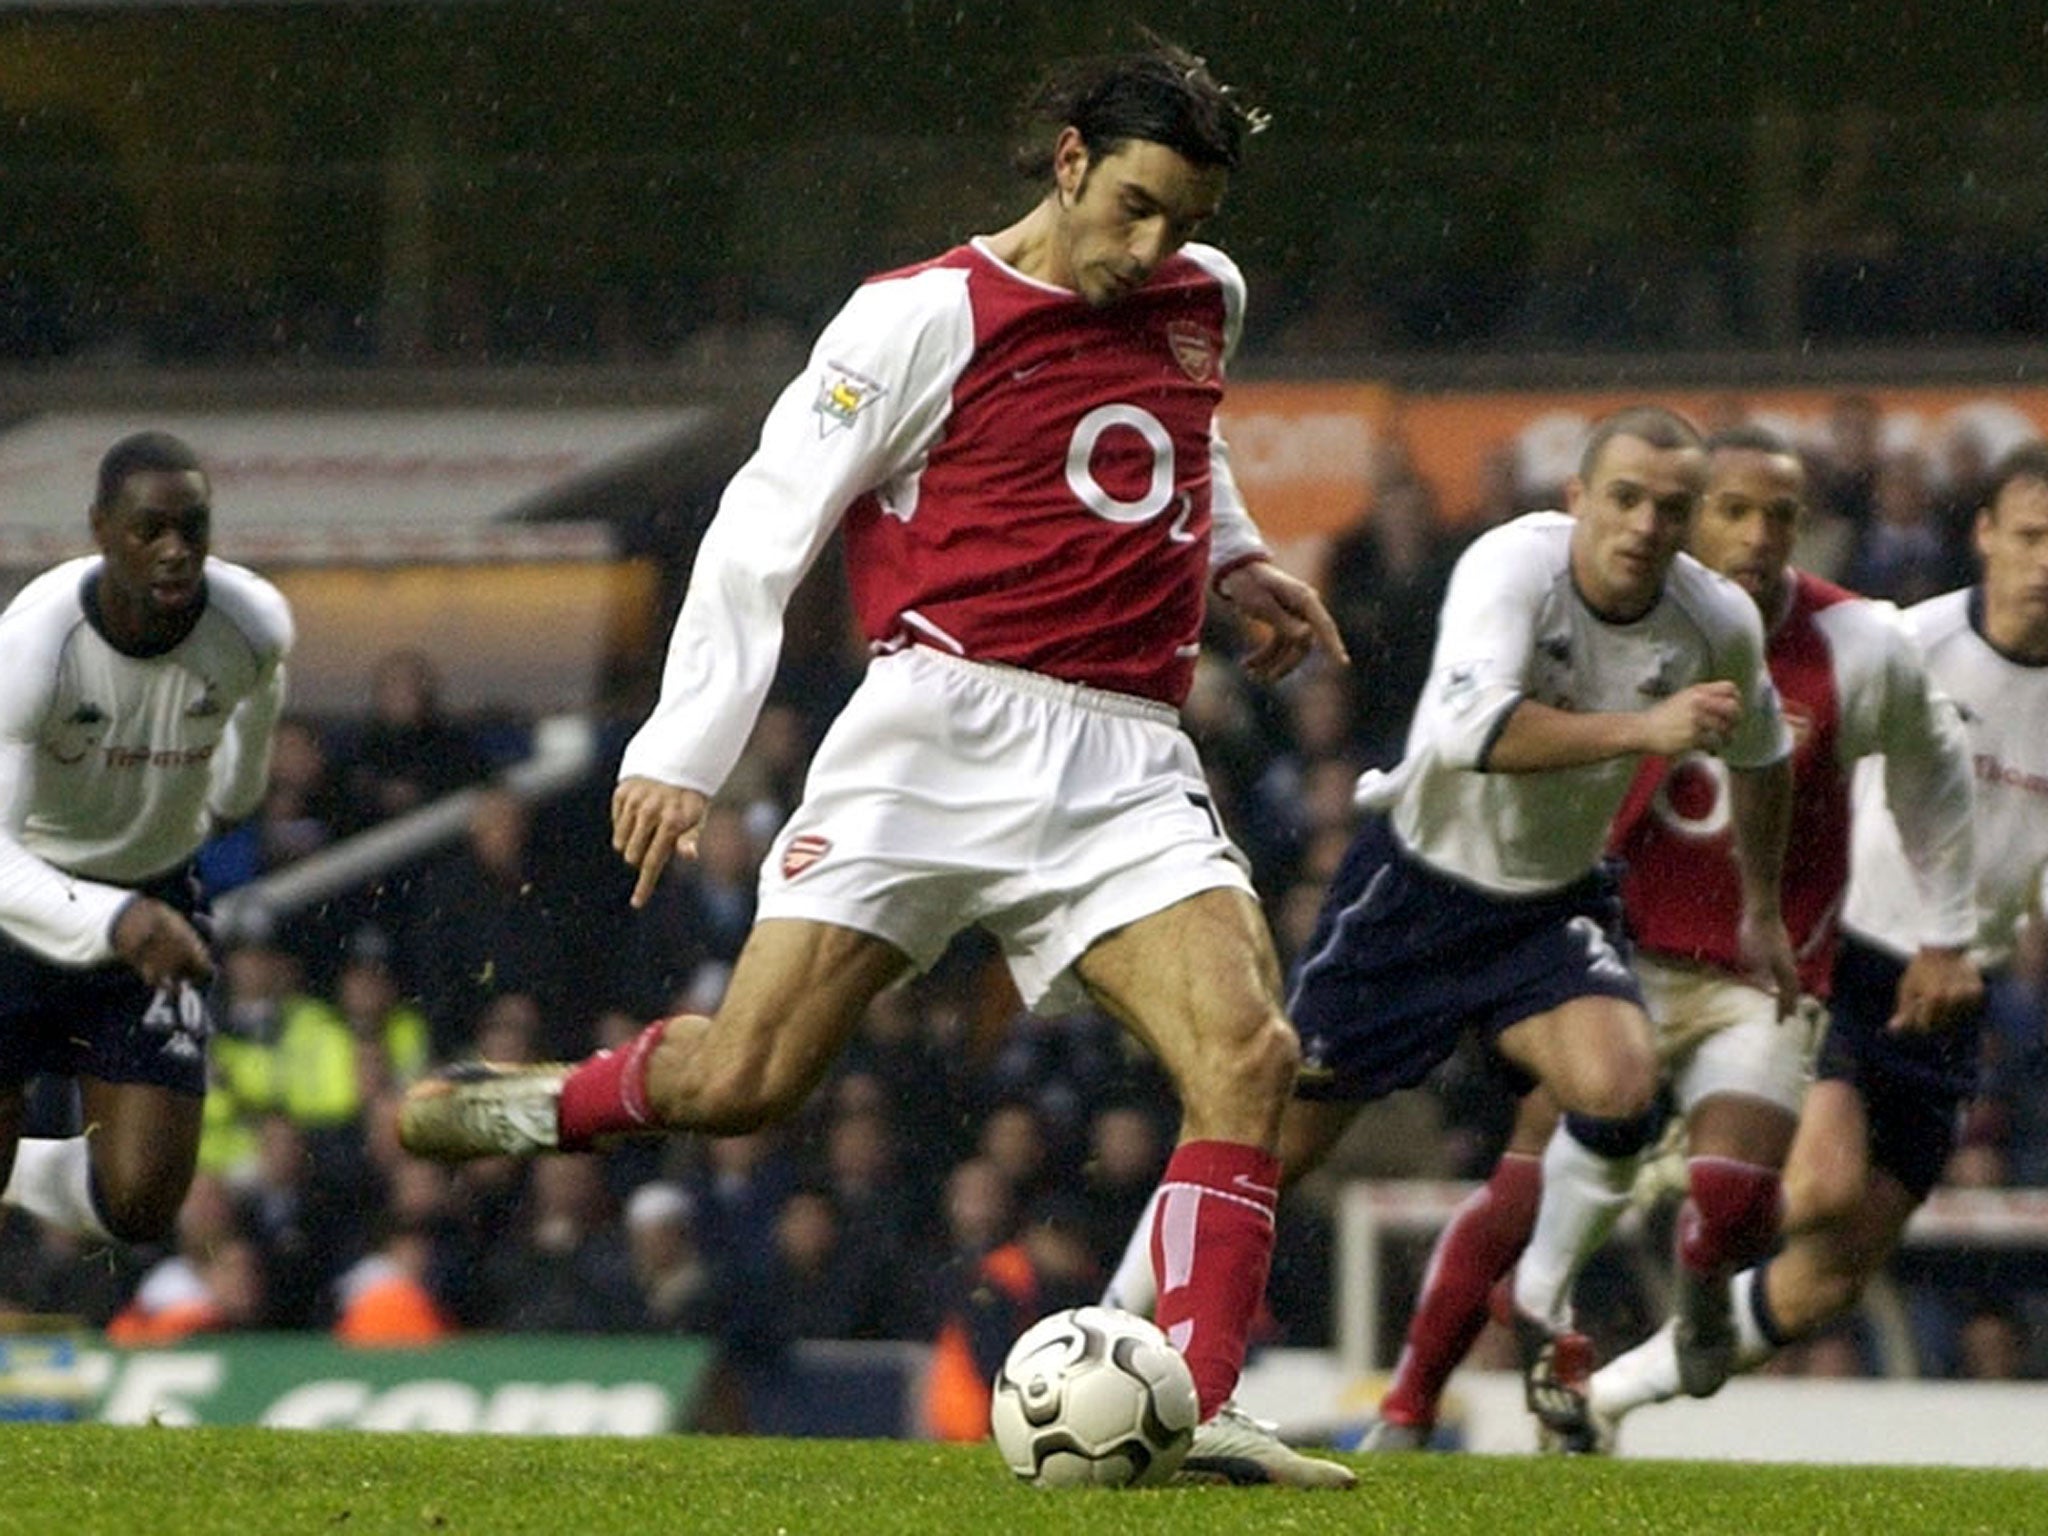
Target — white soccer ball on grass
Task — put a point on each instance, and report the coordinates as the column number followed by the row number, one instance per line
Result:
column 1093, row 1397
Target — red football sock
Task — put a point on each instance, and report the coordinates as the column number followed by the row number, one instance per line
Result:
column 1730, row 1215
column 606, row 1094
column 1479, row 1245
column 1212, row 1243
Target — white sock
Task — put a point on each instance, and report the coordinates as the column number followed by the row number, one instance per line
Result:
column 1649, row 1372
column 1134, row 1288
column 1752, row 1349
column 53, row 1180
column 1583, row 1195
column 1646, row 1374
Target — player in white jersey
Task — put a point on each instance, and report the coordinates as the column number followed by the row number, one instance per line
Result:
column 1879, row 1123
column 1851, row 685
column 1475, row 896
column 1017, row 440
column 137, row 705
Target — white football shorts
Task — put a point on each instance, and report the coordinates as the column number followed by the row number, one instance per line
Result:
column 1719, row 1034
column 952, row 792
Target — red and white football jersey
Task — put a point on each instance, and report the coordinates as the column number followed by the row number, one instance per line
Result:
column 1852, row 685
column 1022, row 478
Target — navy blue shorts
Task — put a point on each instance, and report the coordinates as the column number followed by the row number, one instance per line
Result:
column 103, row 1021
column 1405, row 960
column 1912, row 1086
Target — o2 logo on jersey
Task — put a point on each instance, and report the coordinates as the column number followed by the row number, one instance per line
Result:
column 1693, row 799
column 1159, row 492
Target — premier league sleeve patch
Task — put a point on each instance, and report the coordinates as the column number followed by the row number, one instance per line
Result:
column 1459, row 689
column 842, row 395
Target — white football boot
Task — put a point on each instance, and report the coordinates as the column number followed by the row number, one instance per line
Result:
column 1233, row 1447
column 483, row 1109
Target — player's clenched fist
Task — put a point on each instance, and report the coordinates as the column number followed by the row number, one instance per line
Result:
column 652, row 823
column 1699, row 718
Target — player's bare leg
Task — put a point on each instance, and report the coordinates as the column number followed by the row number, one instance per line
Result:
column 1843, row 1216
column 1842, row 1220
column 1827, row 1170
column 121, row 1180
column 1198, row 982
column 797, row 993
column 145, row 1144
column 1309, row 1131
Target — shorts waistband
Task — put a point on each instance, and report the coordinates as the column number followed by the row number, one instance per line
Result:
column 1038, row 685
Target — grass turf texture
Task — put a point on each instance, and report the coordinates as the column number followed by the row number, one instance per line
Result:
column 97, row 1481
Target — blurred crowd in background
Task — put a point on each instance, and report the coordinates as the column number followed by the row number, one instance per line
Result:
column 956, row 1128
column 345, row 199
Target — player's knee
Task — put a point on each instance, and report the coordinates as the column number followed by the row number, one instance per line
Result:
column 1619, row 1088
column 1619, row 1137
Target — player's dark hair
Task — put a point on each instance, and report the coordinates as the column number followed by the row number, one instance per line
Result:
column 1652, row 424
column 1749, row 438
column 140, row 453
column 1162, row 94
column 2029, row 461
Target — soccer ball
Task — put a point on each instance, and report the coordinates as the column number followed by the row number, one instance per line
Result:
column 1093, row 1397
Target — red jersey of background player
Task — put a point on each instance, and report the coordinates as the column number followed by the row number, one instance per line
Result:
column 1851, row 686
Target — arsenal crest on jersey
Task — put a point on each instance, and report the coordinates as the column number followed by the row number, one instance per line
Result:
column 802, row 853
column 1194, row 348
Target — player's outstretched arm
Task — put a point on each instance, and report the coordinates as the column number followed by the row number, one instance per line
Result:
column 1291, row 615
column 1760, row 805
column 1540, row 737
column 653, row 822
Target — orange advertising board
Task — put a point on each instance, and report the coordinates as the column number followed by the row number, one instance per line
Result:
column 1304, row 452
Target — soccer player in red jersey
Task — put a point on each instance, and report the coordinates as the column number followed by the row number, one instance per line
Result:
column 1017, row 441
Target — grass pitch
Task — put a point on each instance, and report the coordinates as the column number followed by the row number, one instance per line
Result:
column 88, row 1480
